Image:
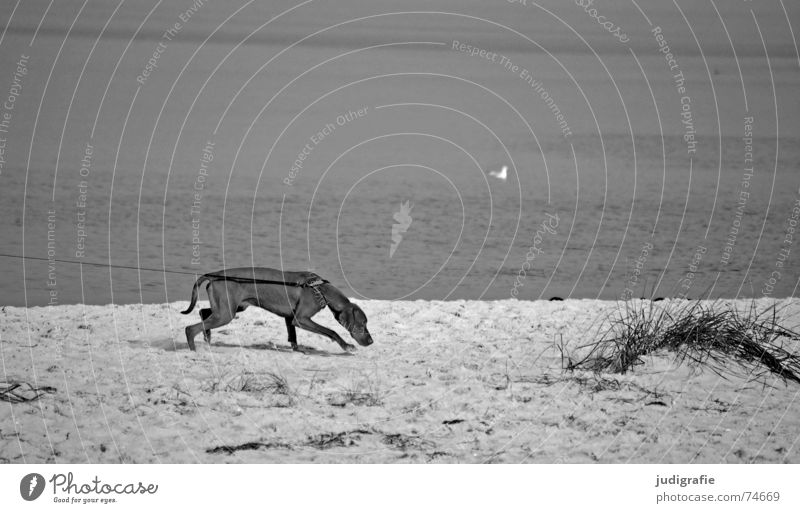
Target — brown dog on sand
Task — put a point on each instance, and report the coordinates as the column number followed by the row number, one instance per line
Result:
column 295, row 296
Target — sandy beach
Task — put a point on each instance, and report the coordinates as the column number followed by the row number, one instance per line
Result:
column 456, row 381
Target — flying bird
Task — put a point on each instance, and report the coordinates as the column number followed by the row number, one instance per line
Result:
column 500, row 175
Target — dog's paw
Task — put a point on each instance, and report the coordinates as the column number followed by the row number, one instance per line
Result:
column 350, row 348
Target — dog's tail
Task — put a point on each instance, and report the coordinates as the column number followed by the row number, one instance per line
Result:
column 197, row 284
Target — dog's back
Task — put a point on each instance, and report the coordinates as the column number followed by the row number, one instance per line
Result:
column 265, row 274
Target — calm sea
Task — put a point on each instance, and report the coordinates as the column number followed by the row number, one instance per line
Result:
column 363, row 152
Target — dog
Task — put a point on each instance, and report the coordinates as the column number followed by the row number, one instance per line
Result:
column 295, row 296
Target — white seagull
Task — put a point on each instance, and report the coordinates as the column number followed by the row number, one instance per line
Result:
column 500, row 175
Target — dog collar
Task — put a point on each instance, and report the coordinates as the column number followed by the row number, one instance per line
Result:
column 316, row 282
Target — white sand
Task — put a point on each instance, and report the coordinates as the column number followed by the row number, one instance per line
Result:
column 460, row 381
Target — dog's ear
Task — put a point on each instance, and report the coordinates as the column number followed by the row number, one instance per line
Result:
column 359, row 315
column 345, row 317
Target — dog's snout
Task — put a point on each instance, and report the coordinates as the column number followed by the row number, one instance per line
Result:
column 365, row 341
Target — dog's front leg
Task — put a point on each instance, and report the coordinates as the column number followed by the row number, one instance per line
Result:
column 309, row 325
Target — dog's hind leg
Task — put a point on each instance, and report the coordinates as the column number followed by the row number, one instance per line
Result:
column 191, row 331
column 215, row 320
column 291, row 331
column 205, row 313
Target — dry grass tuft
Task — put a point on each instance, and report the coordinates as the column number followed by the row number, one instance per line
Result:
column 361, row 391
column 704, row 335
column 267, row 382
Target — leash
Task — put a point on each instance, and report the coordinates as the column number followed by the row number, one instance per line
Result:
column 313, row 284
column 98, row 264
column 316, row 282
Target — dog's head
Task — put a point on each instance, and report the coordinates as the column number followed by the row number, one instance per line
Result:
column 354, row 320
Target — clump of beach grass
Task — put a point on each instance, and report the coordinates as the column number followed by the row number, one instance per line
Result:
column 360, row 391
column 274, row 383
column 711, row 335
